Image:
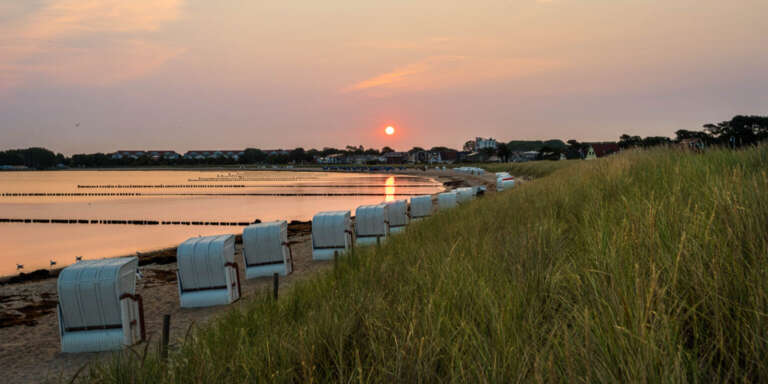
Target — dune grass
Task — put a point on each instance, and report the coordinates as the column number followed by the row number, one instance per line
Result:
column 532, row 169
column 644, row 266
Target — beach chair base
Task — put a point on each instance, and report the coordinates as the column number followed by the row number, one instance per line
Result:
column 395, row 230
column 266, row 270
column 207, row 298
column 369, row 240
column 97, row 340
column 326, row 254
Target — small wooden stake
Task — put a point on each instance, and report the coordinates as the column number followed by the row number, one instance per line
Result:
column 275, row 284
column 166, row 336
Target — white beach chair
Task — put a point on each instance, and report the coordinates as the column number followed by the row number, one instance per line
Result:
column 331, row 233
column 371, row 224
column 446, row 200
column 465, row 194
column 207, row 272
column 266, row 250
column 421, row 207
column 99, row 309
column 397, row 211
column 504, row 183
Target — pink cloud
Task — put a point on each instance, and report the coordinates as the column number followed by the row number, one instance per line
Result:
column 40, row 45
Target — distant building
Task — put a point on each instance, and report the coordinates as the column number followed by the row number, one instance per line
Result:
column 433, row 157
column 336, row 158
column 596, row 150
column 395, row 157
column 530, row 155
column 605, row 149
column 154, row 155
column 694, row 144
column 481, row 143
column 128, row 155
column 13, row 167
column 213, row 154
column 276, row 152
column 574, row 154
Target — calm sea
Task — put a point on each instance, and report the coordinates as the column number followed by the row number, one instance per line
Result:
column 167, row 196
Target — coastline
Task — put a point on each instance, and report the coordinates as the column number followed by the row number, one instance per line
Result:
column 28, row 320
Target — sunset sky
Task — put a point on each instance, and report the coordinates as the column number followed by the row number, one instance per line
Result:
column 100, row 75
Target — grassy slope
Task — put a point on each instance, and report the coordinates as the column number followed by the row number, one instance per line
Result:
column 530, row 169
column 642, row 266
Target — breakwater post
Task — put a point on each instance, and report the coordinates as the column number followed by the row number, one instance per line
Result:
column 275, row 284
column 166, row 336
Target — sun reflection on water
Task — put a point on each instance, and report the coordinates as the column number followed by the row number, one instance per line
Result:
column 389, row 189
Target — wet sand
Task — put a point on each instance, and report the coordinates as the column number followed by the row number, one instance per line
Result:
column 29, row 339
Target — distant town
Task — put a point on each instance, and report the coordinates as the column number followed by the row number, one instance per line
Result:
column 737, row 132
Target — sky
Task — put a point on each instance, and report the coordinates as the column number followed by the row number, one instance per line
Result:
column 82, row 76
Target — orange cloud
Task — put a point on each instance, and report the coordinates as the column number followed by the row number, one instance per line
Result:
column 450, row 71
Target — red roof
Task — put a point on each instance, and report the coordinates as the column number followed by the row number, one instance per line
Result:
column 602, row 149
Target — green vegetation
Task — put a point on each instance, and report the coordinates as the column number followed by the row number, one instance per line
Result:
column 644, row 266
column 532, row 169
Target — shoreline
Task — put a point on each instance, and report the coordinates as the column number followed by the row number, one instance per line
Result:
column 30, row 347
column 438, row 177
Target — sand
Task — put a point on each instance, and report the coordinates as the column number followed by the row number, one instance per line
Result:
column 30, row 348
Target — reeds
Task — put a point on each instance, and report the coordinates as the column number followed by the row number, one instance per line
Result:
column 644, row 266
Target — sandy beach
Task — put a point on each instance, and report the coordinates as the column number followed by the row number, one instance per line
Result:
column 29, row 340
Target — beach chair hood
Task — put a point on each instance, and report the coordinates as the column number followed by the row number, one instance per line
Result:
column 266, row 250
column 397, row 211
column 329, row 229
column 421, row 206
column 446, row 200
column 207, row 272
column 372, row 220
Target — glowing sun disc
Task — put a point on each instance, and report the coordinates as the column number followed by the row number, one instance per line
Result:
column 389, row 130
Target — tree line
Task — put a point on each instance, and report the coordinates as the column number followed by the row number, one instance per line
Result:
column 741, row 130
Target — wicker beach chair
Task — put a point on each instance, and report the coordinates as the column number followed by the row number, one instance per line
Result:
column 99, row 309
column 266, row 250
column 207, row 272
column 397, row 211
column 464, row 195
column 331, row 234
column 421, row 207
column 371, row 224
column 446, row 200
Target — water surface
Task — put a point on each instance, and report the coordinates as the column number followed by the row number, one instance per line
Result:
column 171, row 196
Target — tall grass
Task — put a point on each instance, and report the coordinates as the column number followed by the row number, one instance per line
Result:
column 532, row 169
column 645, row 266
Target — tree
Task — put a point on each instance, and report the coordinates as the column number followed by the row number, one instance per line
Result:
column 416, row 149
column 627, row 141
column 487, row 153
column 386, row 150
column 253, row 155
column 503, row 151
column 469, row 146
column 297, row 155
column 312, row 154
column 355, row 150
column 652, row 141
column 35, row 157
column 740, row 130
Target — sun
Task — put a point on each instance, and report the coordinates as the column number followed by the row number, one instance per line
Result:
column 389, row 130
